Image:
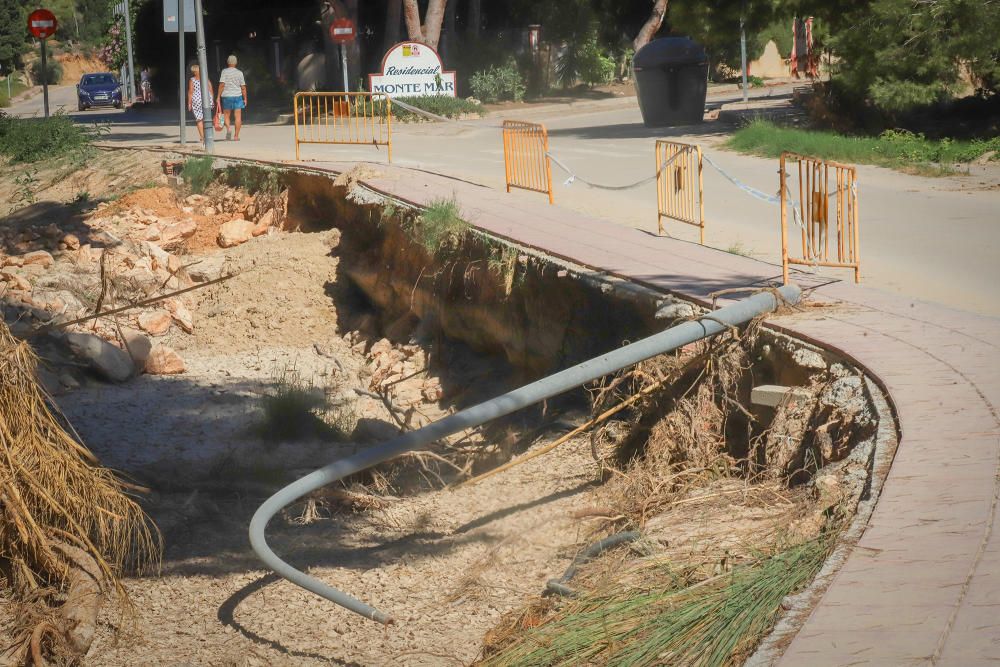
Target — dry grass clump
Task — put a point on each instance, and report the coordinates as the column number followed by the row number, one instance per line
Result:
column 727, row 534
column 60, row 512
column 678, row 440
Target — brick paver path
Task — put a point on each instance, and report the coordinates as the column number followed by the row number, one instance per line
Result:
column 923, row 583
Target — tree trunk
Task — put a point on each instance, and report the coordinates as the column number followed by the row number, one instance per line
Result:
column 411, row 12
column 475, row 16
column 652, row 24
column 393, row 17
column 354, row 50
column 430, row 32
column 448, row 34
column 432, row 22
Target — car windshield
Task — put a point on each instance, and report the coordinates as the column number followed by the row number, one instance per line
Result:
column 98, row 79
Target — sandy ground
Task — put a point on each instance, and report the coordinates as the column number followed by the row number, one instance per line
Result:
column 446, row 564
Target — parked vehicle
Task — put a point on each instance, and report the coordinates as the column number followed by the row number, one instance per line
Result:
column 98, row 90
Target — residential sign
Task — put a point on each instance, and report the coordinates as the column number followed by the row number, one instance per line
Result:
column 410, row 69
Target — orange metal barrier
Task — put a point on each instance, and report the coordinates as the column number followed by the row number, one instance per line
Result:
column 679, row 185
column 343, row 118
column 812, row 213
column 526, row 157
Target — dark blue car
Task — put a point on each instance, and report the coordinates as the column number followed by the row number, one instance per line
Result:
column 98, row 90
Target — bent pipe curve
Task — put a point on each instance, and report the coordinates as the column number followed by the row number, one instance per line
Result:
column 665, row 341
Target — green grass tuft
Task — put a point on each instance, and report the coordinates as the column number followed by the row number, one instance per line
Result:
column 16, row 88
column 35, row 139
column 715, row 622
column 198, row 173
column 440, row 227
column 296, row 410
column 897, row 149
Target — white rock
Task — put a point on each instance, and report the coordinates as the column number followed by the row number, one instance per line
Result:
column 103, row 357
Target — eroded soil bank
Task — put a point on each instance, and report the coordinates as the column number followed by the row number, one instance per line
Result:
column 392, row 323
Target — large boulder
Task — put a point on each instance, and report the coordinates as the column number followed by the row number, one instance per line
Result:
column 104, row 358
column 235, row 232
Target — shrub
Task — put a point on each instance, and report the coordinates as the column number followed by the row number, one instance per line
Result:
column 449, row 107
column 33, row 139
column 197, row 173
column 294, row 410
column 440, row 226
column 498, row 84
column 54, row 68
column 586, row 62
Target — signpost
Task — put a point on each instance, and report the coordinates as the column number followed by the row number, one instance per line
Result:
column 410, row 69
column 180, row 14
column 42, row 24
column 341, row 33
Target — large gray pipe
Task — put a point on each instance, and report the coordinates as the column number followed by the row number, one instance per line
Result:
column 665, row 341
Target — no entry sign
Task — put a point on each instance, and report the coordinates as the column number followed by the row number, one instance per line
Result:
column 342, row 31
column 42, row 23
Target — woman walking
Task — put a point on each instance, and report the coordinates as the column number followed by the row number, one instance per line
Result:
column 196, row 100
column 232, row 97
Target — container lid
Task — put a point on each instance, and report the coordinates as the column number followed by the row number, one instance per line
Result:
column 670, row 51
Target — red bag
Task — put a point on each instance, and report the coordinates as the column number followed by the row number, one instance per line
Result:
column 218, row 120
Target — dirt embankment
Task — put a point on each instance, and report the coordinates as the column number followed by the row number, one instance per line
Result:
column 392, row 335
column 75, row 65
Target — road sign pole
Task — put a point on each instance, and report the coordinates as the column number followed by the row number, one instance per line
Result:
column 182, row 87
column 743, row 49
column 45, row 78
column 343, row 64
column 207, row 100
column 128, row 46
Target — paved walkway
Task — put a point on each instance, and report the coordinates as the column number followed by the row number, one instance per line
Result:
column 923, row 583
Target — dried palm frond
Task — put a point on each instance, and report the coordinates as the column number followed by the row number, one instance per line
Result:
column 53, row 491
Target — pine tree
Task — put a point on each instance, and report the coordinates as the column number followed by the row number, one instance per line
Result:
column 13, row 33
column 904, row 54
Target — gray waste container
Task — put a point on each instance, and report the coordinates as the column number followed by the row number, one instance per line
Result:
column 671, row 80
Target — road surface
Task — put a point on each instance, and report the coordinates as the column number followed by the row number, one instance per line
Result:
column 934, row 239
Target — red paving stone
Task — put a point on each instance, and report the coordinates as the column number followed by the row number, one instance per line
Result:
column 923, row 583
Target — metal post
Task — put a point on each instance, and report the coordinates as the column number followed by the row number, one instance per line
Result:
column 743, row 53
column 277, row 57
column 128, row 46
column 182, row 87
column 45, row 79
column 714, row 323
column 343, row 64
column 207, row 100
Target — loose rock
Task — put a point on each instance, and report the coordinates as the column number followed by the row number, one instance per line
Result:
column 104, row 358
column 40, row 257
column 235, row 232
column 164, row 361
column 155, row 322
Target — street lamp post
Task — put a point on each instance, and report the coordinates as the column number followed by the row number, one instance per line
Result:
column 207, row 99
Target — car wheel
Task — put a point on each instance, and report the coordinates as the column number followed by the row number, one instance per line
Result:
column 118, row 105
column 81, row 107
